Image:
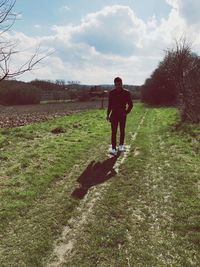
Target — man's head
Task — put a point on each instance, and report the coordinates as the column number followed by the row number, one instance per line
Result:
column 118, row 83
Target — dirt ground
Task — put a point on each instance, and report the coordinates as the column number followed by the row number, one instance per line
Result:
column 13, row 116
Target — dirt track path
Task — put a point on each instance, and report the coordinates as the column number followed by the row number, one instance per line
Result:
column 130, row 220
column 66, row 243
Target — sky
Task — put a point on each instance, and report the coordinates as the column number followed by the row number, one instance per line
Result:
column 94, row 41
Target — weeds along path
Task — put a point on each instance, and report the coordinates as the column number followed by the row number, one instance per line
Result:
column 37, row 181
column 65, row 245
column 142, row 216
column 153, row 238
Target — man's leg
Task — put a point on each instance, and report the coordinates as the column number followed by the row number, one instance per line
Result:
column 122, row 125
column 114, row 124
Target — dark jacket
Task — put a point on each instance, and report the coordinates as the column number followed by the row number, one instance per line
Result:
column 118, row 101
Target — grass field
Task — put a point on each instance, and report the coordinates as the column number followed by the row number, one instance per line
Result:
column 146, row 214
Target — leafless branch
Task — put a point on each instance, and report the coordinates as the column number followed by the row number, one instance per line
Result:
column 5, row 61
column 7, row 16
column 8, row 48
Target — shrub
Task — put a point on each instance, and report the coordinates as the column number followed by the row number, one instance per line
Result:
column 18, row 93
column 160, row 88
column 176, row 79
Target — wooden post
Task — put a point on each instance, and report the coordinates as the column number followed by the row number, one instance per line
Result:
column 102, row 101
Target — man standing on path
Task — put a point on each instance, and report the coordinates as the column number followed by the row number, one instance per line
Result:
column 118, row 100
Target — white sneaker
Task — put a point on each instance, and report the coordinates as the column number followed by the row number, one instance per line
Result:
column 113, row 152
column 121, row 148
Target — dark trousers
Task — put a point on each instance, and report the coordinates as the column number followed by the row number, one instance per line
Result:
column 115, row 121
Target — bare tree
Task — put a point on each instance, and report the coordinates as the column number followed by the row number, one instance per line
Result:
column 177, row 78
column 186, row 68
column 8, row 48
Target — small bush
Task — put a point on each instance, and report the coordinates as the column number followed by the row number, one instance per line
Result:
column 176, row 81
column 18, row 93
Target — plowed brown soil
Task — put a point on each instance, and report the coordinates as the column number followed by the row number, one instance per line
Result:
column 13, row 116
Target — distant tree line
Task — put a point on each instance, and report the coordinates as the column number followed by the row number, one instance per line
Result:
column 13, row 92
column 47, row 85
column 176, row 81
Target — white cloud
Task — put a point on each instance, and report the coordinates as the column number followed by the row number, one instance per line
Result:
column 188, row 9
column 66, row 8
column 188, row 14
column 173, row 3
column 19, row 16
column 108, row 43
column 113, row 30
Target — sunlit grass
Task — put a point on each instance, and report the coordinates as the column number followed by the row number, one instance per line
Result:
column 34, row 156
column 148, row 216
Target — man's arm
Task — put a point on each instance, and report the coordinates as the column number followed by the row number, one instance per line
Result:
column 130, row 103
column 109, row 107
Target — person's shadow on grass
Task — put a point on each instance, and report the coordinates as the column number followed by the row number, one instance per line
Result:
column 95, row 173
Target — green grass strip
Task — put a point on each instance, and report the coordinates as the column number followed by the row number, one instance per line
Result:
column 149, row 216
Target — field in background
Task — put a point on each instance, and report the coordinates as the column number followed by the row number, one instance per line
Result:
column 12, row 116
column 146, row 215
